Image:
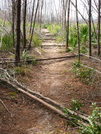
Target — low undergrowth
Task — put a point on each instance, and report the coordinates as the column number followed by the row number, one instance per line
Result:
column 93, row 125
column 7, row 42
column 86, row 75
column 36, row 41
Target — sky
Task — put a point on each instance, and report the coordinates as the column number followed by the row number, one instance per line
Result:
column 72, row 11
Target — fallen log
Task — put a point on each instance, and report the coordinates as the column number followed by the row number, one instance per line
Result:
column 36, row 96
column 5, row 107
column 31, row 60
column 91, row 57
column 48, row 46
column 51, row 107
column 91, row 68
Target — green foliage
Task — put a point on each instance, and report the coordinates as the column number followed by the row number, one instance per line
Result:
column 68, row 50
column 75, row 104
column 35, row 40
column 72, row 39
column 43, row 25
column 54, row 28
column 25, row 56
column 21, row 71
column 83, row 34
column 34, row 62
column 1, row 22
column 94, row 126
column 83, row 49
column 12, row 95
column 84, row 74
column 61, row 37
column 76, row 64
column 7, row 24
column 7, row 42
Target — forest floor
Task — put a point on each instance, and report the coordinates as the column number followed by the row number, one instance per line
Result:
column 53, row 79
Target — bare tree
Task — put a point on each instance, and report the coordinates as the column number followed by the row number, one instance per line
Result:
column 33, row 25
column 17, row 46
column 90, row 28
column 77, row 31
column 24, row 22
column 98, row 40
column 67, row 30
column 32, row 15
column 13, row 24
column 41, row 14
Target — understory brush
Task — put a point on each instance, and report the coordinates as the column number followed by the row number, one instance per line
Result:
column 23, row 71
column 54, row 29
column 7, row 42
column 92, row 125
column 35, row 40
column 86, row 75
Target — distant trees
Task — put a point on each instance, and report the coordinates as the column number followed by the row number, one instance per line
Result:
column 32, row 11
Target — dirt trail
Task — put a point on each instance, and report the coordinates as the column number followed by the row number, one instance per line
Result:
column 53, row 79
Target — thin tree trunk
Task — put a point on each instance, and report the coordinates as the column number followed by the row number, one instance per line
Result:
column 33, row 26
column 41, row 14
column 13, row 14
column 67, row 30
column 24, row 24
column 98, row 39
column 32, row 16
column 90, row 28
column 77, row 31
column 80, row 14
column 17, row 47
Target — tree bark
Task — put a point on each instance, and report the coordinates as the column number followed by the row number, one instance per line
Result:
column 67, row 29
column 24, row 23
column 13, row 24
column 33, row 25
column 41, row 14
column 77, row 31
column 32, row 16
column 98, row 39
column 17, row 47
column 90, row 28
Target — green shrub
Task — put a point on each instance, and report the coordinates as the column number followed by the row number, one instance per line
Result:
column 7, row 24
column 44, row 25
column 7, row 42
column 21, row 71
column 94, row 126
column 54, row 28
column 1, row 22
column 36, row 40
column 84, row 74
column 75, row 104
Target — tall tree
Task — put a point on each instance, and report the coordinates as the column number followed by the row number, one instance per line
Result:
column 67, row 29
column 77, row 31
column 13, row 24
column 98, row 40
column 32, row 16
column 17, row 46
column 41, row 14
column 90, row 28
column 24, row 23
column 33, row 25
